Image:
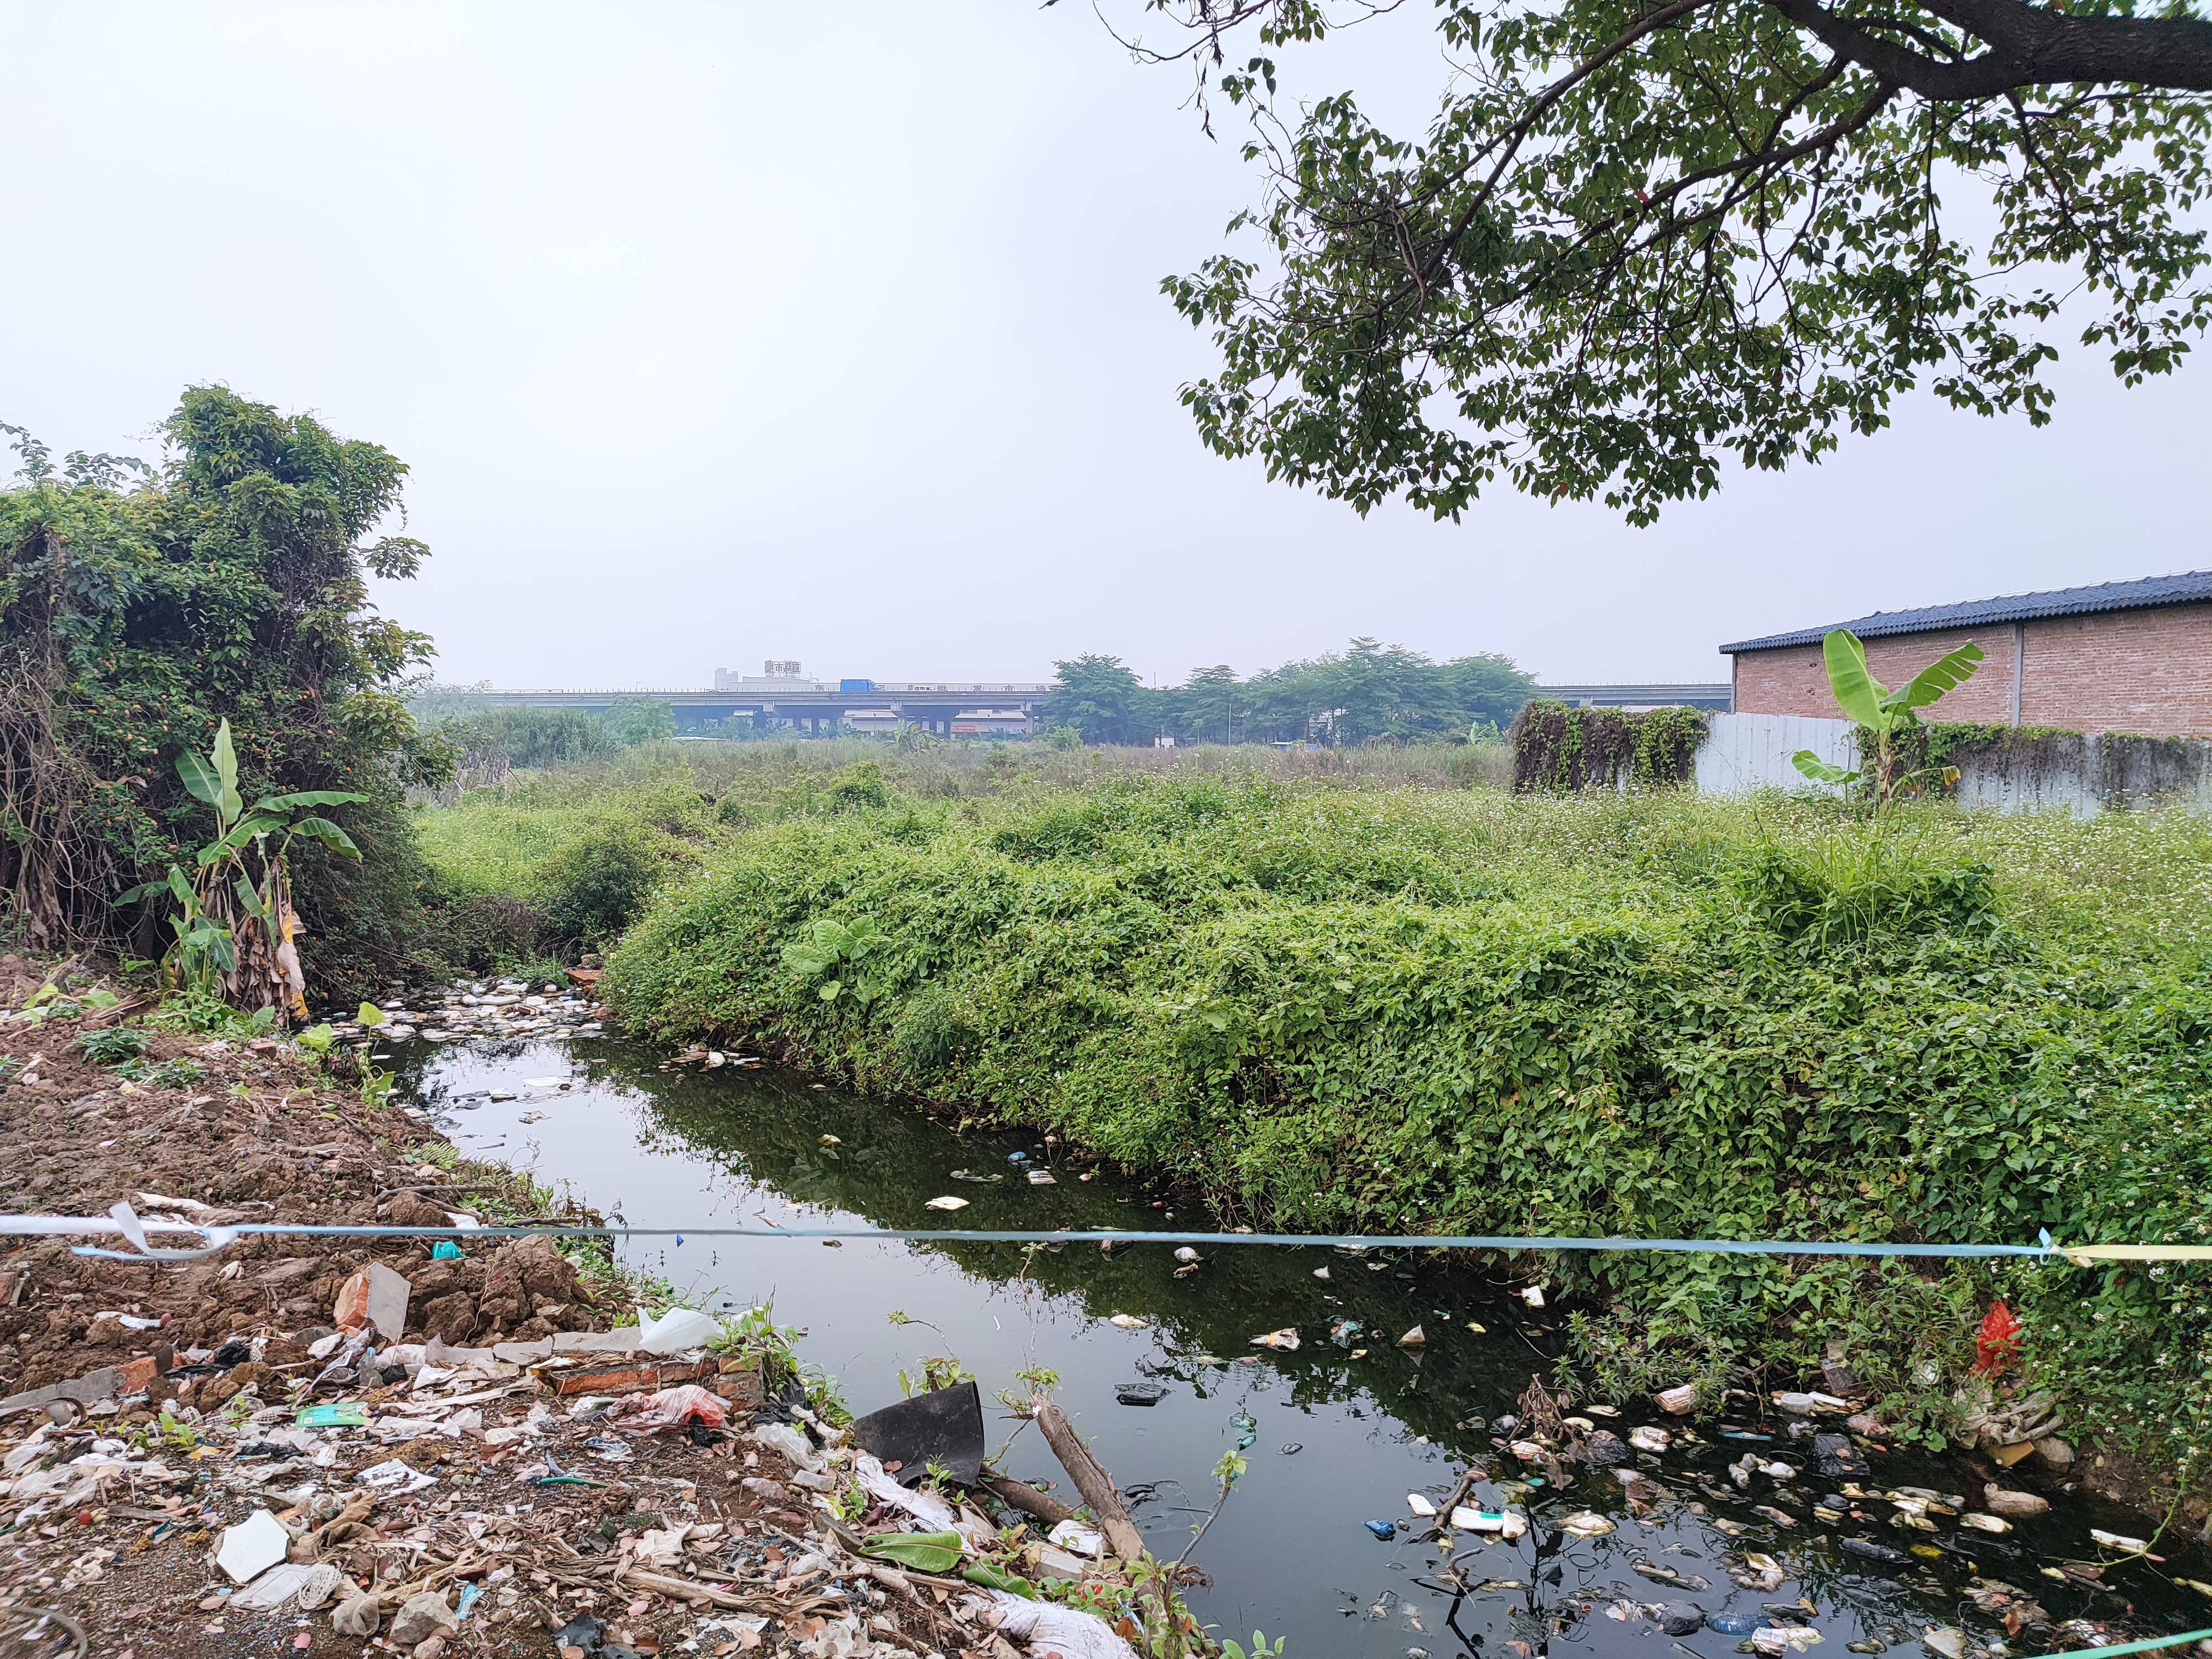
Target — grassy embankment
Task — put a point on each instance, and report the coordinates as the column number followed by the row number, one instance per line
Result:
column 1451, row 1009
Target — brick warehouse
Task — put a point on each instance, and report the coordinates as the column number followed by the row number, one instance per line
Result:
column 2118, row 657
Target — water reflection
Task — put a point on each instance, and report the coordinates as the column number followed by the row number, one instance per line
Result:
column 1342, row 1429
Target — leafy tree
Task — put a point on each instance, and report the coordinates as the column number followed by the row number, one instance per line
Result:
column 1640, row 236
column 228, row 584
column 1097, row 695
column 633, row 721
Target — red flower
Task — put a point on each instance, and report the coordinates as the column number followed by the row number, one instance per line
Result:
column 1997, row 1341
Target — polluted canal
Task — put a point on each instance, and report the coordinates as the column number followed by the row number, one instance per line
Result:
column 1667, row 1537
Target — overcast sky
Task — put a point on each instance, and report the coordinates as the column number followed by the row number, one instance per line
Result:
column 722, row 332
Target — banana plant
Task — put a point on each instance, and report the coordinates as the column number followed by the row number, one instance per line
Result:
column 829, row 956
column 234, row 924
column 1886, row 714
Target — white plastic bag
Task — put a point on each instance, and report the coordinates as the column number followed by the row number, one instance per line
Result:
column 677, row 1331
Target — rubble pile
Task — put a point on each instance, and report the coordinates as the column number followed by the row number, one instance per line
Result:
column 576, row 1492
column 404, row 1445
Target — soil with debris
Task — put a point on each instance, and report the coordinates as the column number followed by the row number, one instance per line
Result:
column 502, row 1475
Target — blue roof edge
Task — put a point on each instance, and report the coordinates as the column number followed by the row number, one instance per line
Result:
column 2183, row 588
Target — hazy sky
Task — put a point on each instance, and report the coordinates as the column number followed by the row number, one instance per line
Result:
column 722, row 332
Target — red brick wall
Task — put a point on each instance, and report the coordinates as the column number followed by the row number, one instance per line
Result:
column 2112, row 670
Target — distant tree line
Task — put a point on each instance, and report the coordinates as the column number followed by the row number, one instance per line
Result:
column 1366, row 692
column 495, row 736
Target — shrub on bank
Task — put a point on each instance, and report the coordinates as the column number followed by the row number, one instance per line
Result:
column 1457, row 1013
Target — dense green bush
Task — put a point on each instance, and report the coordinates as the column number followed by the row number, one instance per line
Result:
column 230, row 582
column 1456, row 1013
column 598, row 884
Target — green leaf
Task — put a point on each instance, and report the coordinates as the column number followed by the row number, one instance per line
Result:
column 241, row 833
column 101, row 997
column 924, row 1552
column 1951, row 669
column 181, row 888
column 250, row 902
column 143, row 890
column 828, row 991
column 317, row 1039
column 1857, row 691
column 370, row 1015
column 806, row 959
column 306, row 798
column 991, row 1577
column 329, row 834
column 225, row 768
column 200, row 779
column 1819, row 770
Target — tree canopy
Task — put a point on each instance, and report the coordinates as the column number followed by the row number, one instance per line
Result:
column 230, row 582
column 1368, row 691
column 1640, row 237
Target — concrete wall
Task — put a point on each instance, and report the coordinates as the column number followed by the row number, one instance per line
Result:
column 2146, row 670
column 1743, row 752
column 2091, row 774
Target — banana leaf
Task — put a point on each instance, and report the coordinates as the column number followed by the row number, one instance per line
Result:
column 924, row 1552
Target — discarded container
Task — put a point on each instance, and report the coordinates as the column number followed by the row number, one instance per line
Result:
column 677, row 1330
column 1042, row 1178
column 1678, row 1402
column 376, row 1297
column 945, row 1427
column 1733, row 1624
column 924, row 1552
column 251, row 1548
column 1419, row 1504
column 1383, row 1529
column 332, row 1417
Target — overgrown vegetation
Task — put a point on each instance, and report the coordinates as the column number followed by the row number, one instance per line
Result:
column 229, row 582
column 1558, row 750
column 1468, row 1012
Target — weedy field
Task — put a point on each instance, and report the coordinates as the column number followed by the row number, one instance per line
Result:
column 1360, row 1004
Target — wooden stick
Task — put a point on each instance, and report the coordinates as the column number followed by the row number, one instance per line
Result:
column 1023, row 1496
column 684, row 1588
column 1091, row 1480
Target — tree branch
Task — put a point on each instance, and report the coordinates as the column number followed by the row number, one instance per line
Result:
column 2029, row 46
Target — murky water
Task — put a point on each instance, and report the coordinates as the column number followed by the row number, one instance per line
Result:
column 1343, row 1429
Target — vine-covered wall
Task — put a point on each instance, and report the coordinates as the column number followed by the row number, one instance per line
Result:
column 1557, row 749
column 2048, row 765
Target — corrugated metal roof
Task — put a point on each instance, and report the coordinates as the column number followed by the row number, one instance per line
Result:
column 2189, row 587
